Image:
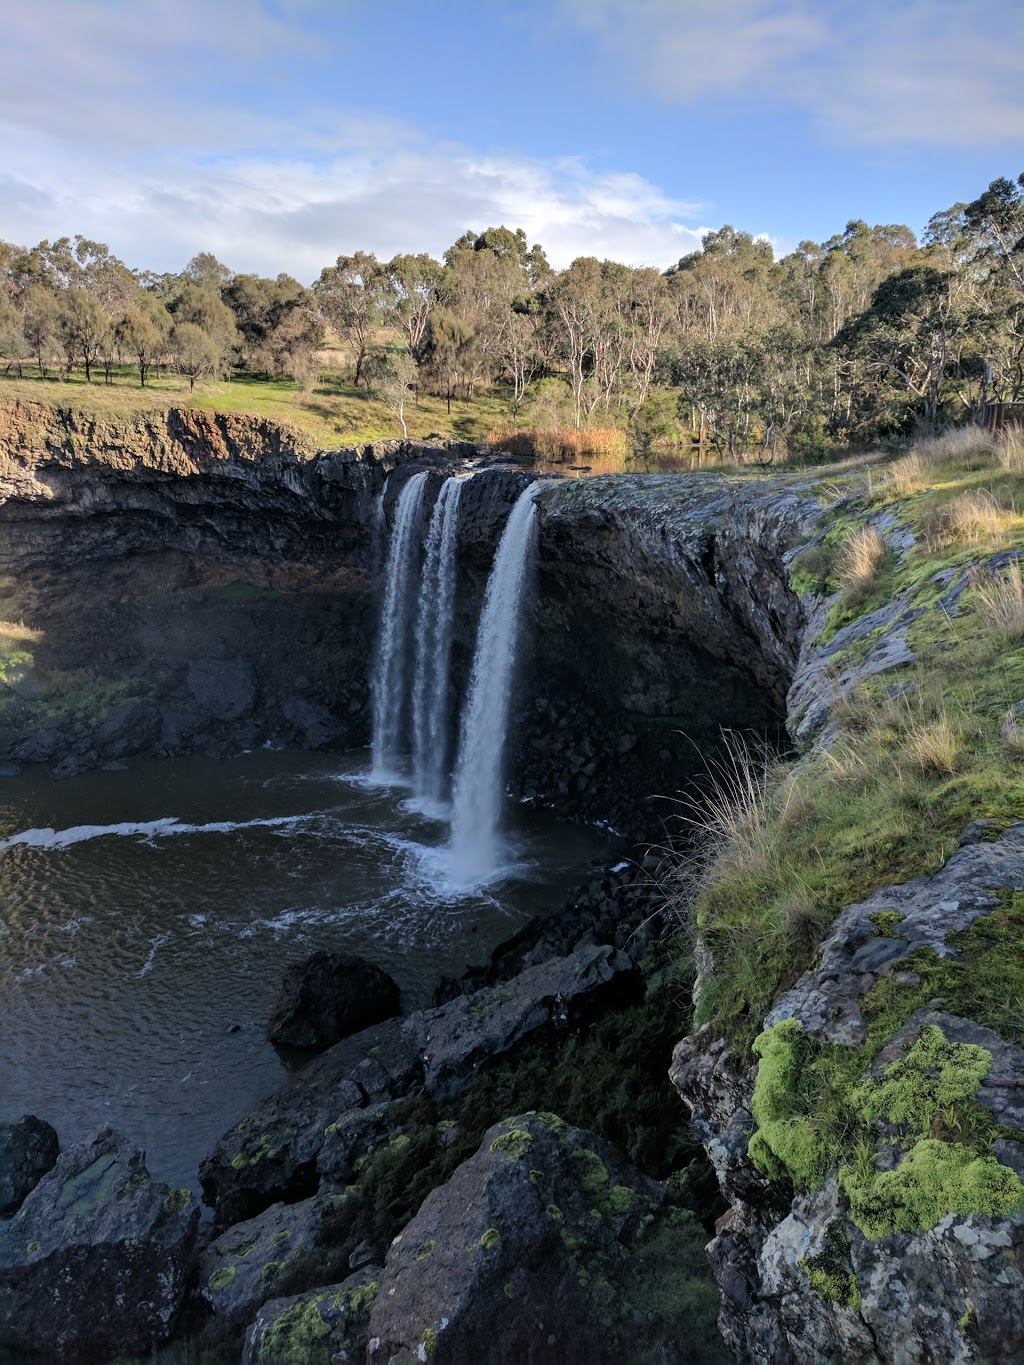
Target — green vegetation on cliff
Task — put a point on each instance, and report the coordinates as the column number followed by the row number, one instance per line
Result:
column 914, row 754
column 919, row 753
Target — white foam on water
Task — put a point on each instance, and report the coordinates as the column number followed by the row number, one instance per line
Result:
column 145, row 829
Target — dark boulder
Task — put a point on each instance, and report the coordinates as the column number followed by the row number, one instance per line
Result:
column 328, row 997
column 28, row 1149
column 317, row 1328
column 238, row 1271
column 336, row 1106
column 96, row 1261
column 271, row 1153
column 546, row 1247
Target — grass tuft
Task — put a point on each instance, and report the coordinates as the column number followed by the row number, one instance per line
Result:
column 1000, row 602
column 860, row 563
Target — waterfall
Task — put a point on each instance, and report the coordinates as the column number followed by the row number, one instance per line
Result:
column 389, row 683
column 378, row 532
column 435, row 623
column 479, row 785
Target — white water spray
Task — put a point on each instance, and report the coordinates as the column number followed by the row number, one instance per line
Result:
column 389, row 683
column 475, row 848
column 435, row 622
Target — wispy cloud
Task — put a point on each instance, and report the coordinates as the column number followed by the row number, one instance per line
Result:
column 296, row 214
column 180, row 125
column 947, row 73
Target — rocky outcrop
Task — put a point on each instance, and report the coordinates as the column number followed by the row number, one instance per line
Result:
column 96, row 1261
column 329, row 996
column 184, row 581
column 327, row 1115
column 525, row 1254
column 28, row 1149
column 801, row 1280
column 239, row 1270
column 663, row 613
column 317, row 1328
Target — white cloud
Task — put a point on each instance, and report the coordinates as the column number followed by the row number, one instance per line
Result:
column 175, row 126
column 948, row 73
column 385, row 194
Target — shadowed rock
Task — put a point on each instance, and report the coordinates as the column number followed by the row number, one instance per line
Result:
column 318, row 1328
column 534, row 1251
column 328, row 997
column 96, row 1261
column 28, row 1149
column 338, row 1103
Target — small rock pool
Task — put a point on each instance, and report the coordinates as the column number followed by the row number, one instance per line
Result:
column 147, row 916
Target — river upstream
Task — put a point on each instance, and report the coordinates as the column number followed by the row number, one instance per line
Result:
column 147, row 916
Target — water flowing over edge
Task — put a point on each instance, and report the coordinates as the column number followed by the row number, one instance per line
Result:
column 475, row 847
column 389, row 680
column 435, row 624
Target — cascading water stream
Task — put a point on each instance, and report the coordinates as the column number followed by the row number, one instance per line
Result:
column 435, row 623
column 474, row 847
column 389, row 683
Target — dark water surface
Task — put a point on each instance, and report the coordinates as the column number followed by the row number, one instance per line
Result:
column 145, row 913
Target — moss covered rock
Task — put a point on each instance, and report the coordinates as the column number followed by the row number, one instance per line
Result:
column 545, row 1246
column 96, row 1261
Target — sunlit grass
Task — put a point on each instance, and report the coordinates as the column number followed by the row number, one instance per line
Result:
column 333, row 413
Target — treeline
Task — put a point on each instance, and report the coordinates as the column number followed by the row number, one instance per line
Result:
column 868, row 334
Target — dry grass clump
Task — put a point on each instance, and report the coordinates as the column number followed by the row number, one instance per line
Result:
column 906, row 477
column 559, row 443
column 979, row 516
column 934, row 744
column 918, row 470
column 1010, row 450
column 17, row 633
column 860, row 562
column 1000, row 602
column 958, row 446
column 730, row 822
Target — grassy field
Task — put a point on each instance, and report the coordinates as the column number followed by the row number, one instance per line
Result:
column 334, row 413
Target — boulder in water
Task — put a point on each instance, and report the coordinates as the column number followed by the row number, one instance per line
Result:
column 328, row 997
column 28, row 1149
column 96, row 1261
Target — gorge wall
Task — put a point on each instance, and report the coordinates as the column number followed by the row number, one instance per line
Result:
column 198, row 582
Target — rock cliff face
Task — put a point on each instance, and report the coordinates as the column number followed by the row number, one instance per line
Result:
column 198, row 582
column 183, row 582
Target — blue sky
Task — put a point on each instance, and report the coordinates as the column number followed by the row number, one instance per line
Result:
column 279, row 133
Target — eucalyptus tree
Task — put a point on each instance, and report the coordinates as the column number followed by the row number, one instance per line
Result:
column 195, row 353
column 414, row 282
column 354, row 297
column 144, row 331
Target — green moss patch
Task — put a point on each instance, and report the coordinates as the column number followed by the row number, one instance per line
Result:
column 816, row 1109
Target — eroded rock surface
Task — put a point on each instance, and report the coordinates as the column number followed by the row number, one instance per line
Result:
column 317, row 1328
column 526, row 1254
column 96, row 1261
column 800, row 1280
column 238, row 1269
